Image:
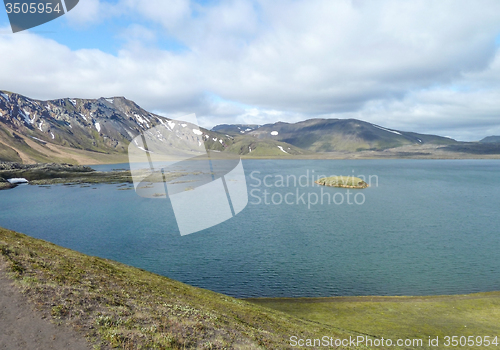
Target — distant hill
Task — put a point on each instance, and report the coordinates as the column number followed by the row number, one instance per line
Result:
column 250, row 146
column 327, row 135
column 488, row 146
column 235, row 129
column 490, row 139
column 479, row 148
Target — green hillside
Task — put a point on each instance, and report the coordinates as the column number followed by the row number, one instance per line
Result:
column 414, row 318
column 119, row 306
column 252, row 147
column 351, row 135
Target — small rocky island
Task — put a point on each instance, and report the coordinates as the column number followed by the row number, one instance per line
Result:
column 342, row 181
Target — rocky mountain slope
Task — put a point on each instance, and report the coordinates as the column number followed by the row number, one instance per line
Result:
column 47, row 131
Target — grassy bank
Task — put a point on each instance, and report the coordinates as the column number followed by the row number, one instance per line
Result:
column 402, row 317
column 115, row 305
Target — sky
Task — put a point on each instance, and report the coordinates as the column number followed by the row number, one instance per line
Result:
column 413, row 65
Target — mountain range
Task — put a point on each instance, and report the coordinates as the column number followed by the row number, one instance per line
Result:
column 329, row 135
column 76, row 130
column 90, row 131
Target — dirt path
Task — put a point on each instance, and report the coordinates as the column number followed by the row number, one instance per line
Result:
column 23, row 328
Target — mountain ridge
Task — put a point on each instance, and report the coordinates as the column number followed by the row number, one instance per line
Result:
column 92, row 131
column 490, row 139
column 328, row 135
column 36, row 131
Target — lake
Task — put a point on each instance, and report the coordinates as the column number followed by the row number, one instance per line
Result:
column 422, row 227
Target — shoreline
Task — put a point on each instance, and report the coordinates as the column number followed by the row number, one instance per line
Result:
column 318, row 299
column 52, row 173
column 116, row 305
column 377, row 298
column 333, row 156
column 103, row 299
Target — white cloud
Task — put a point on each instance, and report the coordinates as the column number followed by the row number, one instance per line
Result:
column 321, row 58
column 42, row 68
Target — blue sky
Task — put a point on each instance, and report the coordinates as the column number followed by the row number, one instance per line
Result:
column 423, row 66
column 103, row 35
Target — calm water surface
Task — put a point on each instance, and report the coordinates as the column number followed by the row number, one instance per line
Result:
column 426, row 227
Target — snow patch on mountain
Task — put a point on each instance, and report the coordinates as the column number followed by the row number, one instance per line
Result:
column 282, row 150
column 26, row 116
column 394, row 132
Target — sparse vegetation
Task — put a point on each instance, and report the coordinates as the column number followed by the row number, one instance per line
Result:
column 48, row 174
column 117, row 306
column 342, row 181
column 8, row 154
column 4, row 184
column 477, row 148
column 416, row 317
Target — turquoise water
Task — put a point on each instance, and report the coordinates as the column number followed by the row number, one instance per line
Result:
column 427, row 227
